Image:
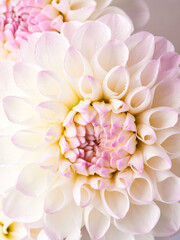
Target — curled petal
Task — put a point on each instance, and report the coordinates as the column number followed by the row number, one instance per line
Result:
column 90, row 88
column 123, row 179
column 99, row 182
column 147, row 214
column 169, row 222
column 168, row 186
column 116, row 202
column 32, row 181
column 113, row 234
column 83, row 194
column 141, row 189
column 121, row 26
column 170, row 140
column 136, row 162
column 138, row 99
column 52, row 111
column 116, row 83
column 146, row 134
column 159, row 118
column 69, row 28
column 156, row 158
column 141, row 48
column 96, row 221
column 93, row 35
column 58, row 198
column 65, row 168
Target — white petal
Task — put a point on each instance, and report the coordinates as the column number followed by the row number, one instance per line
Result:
column 121, row 26
column 42, row 236
column 28, row 139
column 52, row 111
column 169, row 222
column 9, row 153
column 59, row 226
column 168, row 186
column 83, row 194
column 96, row 221
column 176, row 166
column 116, row 83
column 170, row 140
column 18, row 110
column 145, row 237
column 148, row 216
column 159, row 118
column 58, row 198
column 32, row 181
column 50, row 51
column 136, row 162
column 25, row 76
column 90, row 88
column 162, row 45
column 93, row 35
column 141, row 189
column 138, row 99
column 124, row 179
column 22, row 208
column 167, row 93
column 146, row 134
column 113, row 234
column 69, row 28
column 53, row 133
column 116, row 202
column 156, row 158
column 141, row 48
column 50, row 157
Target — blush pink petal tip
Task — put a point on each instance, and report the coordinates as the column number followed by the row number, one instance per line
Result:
column 93, row 136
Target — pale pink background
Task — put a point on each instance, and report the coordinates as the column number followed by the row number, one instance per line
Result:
column 165, row 21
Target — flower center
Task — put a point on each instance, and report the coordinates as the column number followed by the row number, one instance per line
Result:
column 99, row 140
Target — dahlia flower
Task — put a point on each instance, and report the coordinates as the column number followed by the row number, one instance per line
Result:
column 90, row 133
column 20, row 18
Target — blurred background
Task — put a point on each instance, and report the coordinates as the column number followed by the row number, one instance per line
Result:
column 165, row 21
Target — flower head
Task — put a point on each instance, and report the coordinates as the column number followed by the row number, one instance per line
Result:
column 20, row 18
column 94, row 136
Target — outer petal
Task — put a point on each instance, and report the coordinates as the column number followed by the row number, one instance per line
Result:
column 121, row 27
column 169, row 222
column 50, row 51
column 26, row 209
column 147, row 214
column 93, row 35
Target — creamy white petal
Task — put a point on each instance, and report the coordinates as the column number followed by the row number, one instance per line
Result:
column 22, row 208
column 58, row 226
column 116, row 202
column 136, row 162
column 32, row 181
column 146, row 134
column 169, row 222
column 116, row 83
column 52, row 111
column 141, row 189
column 93, row 35
column 168, row 186
column 121, row 27
column 96, row 221
column 123, row 179
column 156, row 158
column 50, row 157
column 148, row 215
column 58, row 198
column 83, row 193
column 90, row 88
column 159, row 118
column 50, row 51
column 138, row 99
